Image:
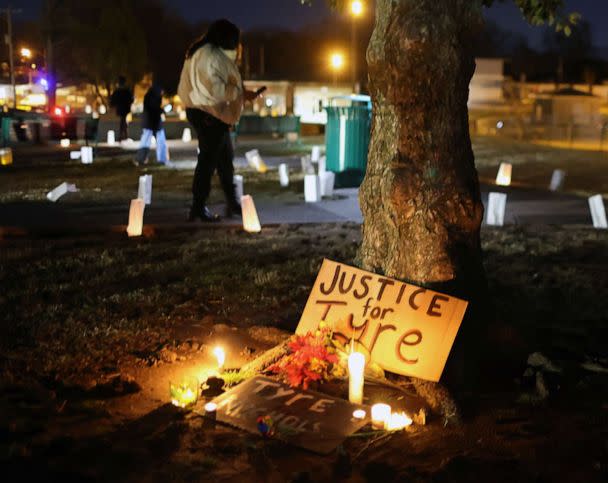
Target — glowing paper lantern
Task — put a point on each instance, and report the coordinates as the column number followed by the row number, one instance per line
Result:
column 598, row 211
column 381, row 414
column 356, row 367
column 255, row 161
column 284, row 175
column 503, row 178
column 60, row 190
column 145, row 188
column 251, row 222
column 220, row 356
column 65, row 143
column 111, row 138
column 136, row 217
column 326, row 183
column 238, row 187
column 86, row 155
column 398, row 421
column 322, row 165
column 312, row 188
column 557, row 180
column 187, row 135
column 497, row 203
column 6, row 156
column 315, row 154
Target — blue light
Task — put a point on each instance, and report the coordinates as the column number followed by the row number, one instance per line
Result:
column 44, row 83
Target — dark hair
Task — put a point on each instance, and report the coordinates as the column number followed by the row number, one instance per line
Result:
column 221, row 33
column 122, row 80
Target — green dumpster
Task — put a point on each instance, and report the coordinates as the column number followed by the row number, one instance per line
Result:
column 347, row 138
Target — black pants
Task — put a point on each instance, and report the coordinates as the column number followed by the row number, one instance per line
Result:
column 215, row 153
column 123, row 131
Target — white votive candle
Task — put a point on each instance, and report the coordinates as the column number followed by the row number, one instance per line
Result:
column 381, row 414
column 356, row 368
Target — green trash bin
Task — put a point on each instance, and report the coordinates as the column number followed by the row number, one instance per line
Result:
column 347, row 138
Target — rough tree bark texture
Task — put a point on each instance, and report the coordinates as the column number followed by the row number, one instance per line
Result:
column 420, row 197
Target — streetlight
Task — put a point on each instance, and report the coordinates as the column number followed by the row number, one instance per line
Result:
column 26, row 53
column 356, row 9
column 336, row 62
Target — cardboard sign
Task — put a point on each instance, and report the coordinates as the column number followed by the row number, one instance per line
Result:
column 407, row 329
column 308, row 419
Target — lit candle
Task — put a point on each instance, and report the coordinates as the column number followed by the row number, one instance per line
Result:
column 356, row 367
column 220, row 355
column 381, row 414
column 210, row 408
column 398, row 421
column 183, row 395
column 65, row 143
column 359, row 414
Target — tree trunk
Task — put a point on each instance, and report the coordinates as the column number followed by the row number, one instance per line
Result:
column 420, row 198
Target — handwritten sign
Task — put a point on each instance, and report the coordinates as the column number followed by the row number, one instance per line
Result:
column 307, row 419
column 407, row 329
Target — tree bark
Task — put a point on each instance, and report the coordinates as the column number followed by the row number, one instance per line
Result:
column 420, row 197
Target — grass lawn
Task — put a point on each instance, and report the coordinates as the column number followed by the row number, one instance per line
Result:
column 92, row 329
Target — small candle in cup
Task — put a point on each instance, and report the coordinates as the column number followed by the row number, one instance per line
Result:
column 210, row 408
column 359, row 414
column 356, row 367
column 398, row 421
column 381, row 414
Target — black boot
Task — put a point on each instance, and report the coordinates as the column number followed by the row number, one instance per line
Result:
column 233, row 208
column 203, row 214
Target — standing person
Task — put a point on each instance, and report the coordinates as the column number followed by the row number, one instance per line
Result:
column 152, row 125
column 212, row 90
column 121, row 100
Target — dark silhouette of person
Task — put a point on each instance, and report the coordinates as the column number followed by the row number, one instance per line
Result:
column 212, row 91
column 152, row 125
column 121, row 101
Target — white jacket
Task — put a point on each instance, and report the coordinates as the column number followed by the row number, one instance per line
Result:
column 211, row 81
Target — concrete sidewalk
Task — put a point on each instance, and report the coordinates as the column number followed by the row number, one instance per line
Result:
column 523, row 207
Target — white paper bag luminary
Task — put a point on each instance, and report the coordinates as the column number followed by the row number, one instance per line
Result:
column 111, row 138
column 6, row 156
column 255, row 161
column 284, row 175
column 322, row 165
column 136, row 217
column 503, row 178
column 497, row 203
column 312, row 188
column 598, row 211
column 238, row 187
column 326, row 182
column 60, row 190
column 86, row 155
column 187, row 135
column 557, row 180
column 251, row 222
column 145, row 188
column 64, row 143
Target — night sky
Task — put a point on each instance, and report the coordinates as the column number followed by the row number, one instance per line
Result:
column 290, row 15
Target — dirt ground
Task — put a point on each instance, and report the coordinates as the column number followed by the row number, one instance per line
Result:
column 92, row 329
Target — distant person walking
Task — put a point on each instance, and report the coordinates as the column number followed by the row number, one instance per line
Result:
column 212, row 90
column 121, row 101
column 152, row 126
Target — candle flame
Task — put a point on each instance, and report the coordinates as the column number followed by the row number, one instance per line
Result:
column 220, row 355
column 398, row 421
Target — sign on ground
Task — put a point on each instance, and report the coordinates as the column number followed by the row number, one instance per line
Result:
column 307, row 419
column 407, row 329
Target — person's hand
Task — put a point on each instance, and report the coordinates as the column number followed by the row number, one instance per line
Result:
column 250, row 95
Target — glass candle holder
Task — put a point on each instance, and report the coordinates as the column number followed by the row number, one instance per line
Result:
column 184, row 393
